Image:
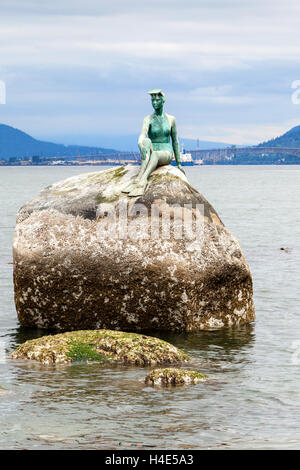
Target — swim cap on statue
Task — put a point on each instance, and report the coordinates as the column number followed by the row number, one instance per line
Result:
column 156, row 91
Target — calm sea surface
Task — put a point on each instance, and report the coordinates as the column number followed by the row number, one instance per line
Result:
column 253, row 397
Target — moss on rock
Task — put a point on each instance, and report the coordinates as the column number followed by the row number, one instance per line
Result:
column 167, row 377
column 100, row 199
column 100, row 346
column 80, row 351
column 163, row 178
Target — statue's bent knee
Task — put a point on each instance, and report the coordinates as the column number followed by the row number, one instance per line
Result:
column 145, row 148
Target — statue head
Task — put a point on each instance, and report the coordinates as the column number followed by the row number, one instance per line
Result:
column 158, row 98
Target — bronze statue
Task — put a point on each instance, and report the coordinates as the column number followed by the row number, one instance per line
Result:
column 154, row 143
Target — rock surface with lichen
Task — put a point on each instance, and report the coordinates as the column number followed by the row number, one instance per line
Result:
column 170, row 376
column 104, row 346
column 78, row 267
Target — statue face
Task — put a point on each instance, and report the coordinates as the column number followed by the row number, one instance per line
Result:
column 157, row 101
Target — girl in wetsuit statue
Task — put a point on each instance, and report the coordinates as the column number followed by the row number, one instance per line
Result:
column 154, row 143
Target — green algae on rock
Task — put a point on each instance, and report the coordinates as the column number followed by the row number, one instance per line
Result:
column 167, row 377
column 100, row 346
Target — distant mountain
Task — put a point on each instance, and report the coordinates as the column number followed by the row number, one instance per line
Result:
column 290, row 139
column 15, row 143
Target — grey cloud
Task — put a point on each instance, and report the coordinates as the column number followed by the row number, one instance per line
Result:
column 84, row 67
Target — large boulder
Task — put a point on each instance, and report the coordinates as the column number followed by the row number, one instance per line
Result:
column 82, row 259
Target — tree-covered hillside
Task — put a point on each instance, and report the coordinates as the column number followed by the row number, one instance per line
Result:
column 290, row 139
column 15, row 143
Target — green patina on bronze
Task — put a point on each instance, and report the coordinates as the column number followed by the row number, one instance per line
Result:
column 157, row 142
column 100, row 346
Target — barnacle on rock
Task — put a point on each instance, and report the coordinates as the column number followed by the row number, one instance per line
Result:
column 87, row 256
column 100, row 346
column 166, row 377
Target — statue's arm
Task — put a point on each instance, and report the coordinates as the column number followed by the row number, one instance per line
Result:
column 175, row 143
column 144, row 132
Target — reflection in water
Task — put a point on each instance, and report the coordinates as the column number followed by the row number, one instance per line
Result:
column 231, row 340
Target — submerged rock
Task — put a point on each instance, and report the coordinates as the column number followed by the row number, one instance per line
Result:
column 100, row 346
column 77, row 267
column 166, row 377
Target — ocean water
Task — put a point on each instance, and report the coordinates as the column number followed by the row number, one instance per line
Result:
column 252, row 399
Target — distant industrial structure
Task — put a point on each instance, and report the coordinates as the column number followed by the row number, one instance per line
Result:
column 230, row 154
column 227, row 155
column 197, row 157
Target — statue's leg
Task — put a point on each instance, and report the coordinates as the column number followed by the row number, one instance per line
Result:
column 145, row 157
column 139, row 187
column 158, row 158
column 145, row 151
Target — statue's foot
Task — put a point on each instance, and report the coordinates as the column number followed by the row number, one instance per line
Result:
column 138, row 190
column 129, row 187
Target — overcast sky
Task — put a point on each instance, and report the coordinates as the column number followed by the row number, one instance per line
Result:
column 76, row 70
